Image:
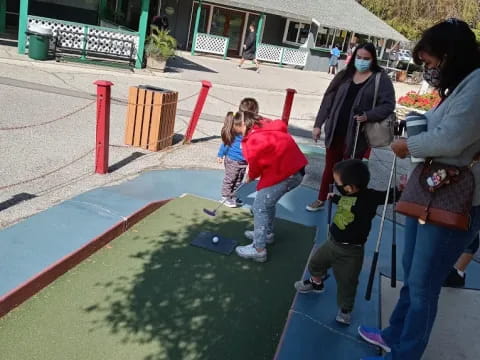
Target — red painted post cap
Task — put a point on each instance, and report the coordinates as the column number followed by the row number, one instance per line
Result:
column 103, row 83
column 206, row 83
column 292, row 91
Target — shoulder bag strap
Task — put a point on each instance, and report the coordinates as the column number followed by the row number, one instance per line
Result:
column 377, row 85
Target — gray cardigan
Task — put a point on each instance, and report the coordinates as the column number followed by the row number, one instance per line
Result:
column 453, row 134
column 333, row 101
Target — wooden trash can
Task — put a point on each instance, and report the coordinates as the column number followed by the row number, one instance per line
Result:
column 150, row 117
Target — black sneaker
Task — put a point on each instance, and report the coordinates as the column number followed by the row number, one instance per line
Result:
column 308, row 285
column 454, row 279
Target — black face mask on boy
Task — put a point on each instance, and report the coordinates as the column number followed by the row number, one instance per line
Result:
column 341, row 189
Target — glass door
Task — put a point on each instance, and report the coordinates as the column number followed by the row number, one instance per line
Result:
column 228, row 23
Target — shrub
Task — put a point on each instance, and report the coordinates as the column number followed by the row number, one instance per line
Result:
column 160, row 44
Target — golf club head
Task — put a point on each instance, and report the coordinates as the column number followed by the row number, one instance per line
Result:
column 210, row 212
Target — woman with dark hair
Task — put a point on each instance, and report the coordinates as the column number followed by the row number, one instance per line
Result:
column 348, row 101
column 451, row 57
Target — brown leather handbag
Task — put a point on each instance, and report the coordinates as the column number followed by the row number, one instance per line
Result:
column 440, row 194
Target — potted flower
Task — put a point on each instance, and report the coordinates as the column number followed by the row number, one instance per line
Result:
column 160, row 46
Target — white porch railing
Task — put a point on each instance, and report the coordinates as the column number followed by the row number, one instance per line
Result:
column 212, row 44
column 91, row 38
column 282, row 55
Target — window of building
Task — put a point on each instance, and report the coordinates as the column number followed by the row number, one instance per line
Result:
column 326, row 38
column 296, row 32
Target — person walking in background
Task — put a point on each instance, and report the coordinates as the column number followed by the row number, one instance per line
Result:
column 348, row 101
column 453, row 138
column 230, row 153
column 333, row 63
column 250, row 47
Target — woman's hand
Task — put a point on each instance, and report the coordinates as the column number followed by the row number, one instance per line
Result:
column 400, row 148
column 330, row 196
column 403, row 182
column 247, row 180
column 316, row 133
column 220, row 160
column 361, row 118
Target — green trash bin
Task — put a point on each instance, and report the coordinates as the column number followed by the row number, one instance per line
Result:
column 39, row 42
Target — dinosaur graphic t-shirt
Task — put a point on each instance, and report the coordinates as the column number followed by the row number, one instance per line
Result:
column 354, row 215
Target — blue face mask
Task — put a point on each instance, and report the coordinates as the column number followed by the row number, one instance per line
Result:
column 362, row 65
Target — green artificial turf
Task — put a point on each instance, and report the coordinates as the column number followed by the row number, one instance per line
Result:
column 149, row 295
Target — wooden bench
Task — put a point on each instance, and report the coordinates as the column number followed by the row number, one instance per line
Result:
column 94, row 47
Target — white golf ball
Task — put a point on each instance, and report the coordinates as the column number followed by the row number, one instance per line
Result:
column 215, row 239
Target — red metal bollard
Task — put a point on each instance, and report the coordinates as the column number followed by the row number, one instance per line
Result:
column 103, row 125
column 287, row 107
column 202, row 97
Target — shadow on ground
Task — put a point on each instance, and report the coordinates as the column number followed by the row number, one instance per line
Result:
column 194, row 304
column 177, row 64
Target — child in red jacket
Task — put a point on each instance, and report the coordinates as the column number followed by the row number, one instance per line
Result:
column 274, row 157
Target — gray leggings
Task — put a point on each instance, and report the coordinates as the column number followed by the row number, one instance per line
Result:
column 264, row 207
column 234, row 174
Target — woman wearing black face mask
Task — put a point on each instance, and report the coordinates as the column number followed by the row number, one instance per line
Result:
column 451, row 57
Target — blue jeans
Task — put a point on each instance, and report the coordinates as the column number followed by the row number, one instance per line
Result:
column 430, row 253
column 264, row 208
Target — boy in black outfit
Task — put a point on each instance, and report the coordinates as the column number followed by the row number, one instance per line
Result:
column 344, row 249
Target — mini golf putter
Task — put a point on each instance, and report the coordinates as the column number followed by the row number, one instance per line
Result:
column 213, row 213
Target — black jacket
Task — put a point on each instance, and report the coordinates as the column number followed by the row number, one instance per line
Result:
column 335, row 96
column 250, row 44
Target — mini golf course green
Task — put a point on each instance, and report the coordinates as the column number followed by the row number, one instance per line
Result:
column 150, row 295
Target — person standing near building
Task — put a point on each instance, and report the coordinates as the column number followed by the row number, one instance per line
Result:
column 333, row 63
column 250, row 47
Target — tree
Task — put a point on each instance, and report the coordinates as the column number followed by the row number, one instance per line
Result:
column 409, row 17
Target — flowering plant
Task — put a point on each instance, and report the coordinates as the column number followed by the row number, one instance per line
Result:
column 422, row 102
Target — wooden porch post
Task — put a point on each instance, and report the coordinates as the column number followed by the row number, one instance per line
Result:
column 118, row 7
column 3, row 15
column 22, row 26
column 261, row 22
column 102, row 7
column 197, row 23
column 142, row 32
